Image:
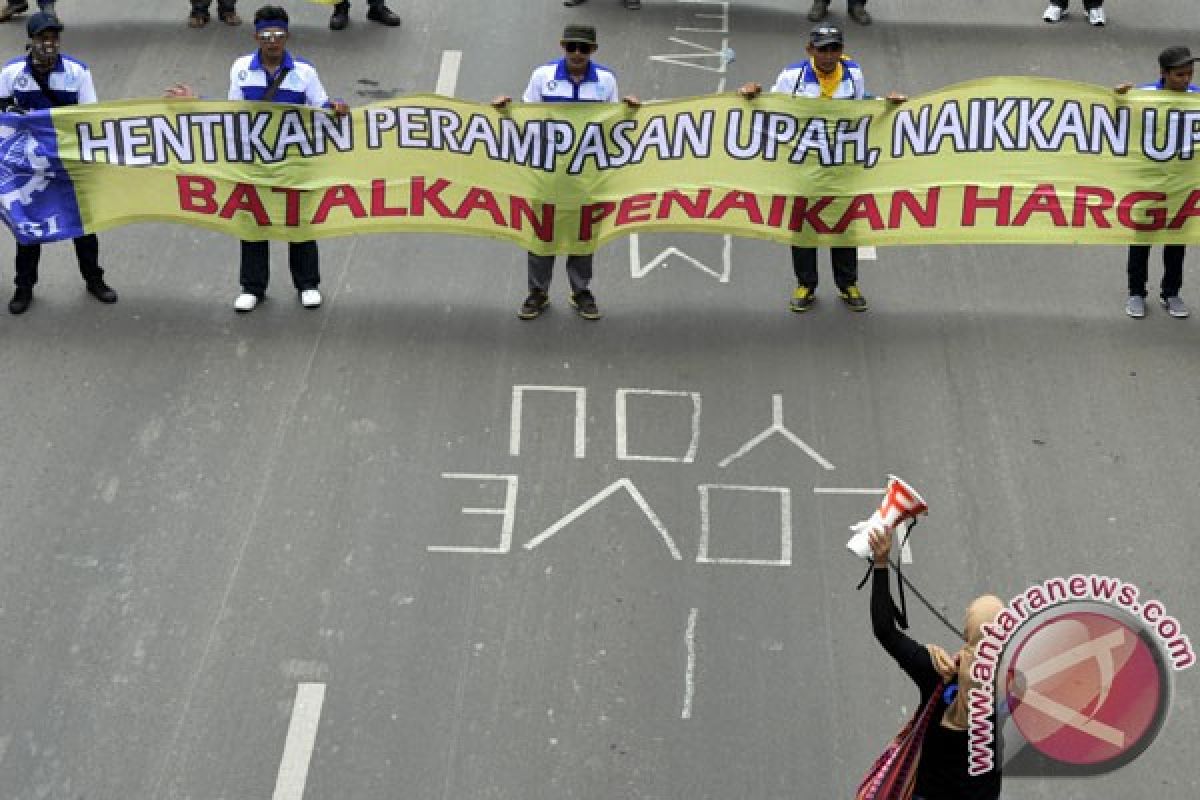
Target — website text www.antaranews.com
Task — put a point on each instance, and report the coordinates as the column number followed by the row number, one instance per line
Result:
column 1036, row 600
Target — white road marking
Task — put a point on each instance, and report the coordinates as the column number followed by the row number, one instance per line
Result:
column 867, row 254
column 518, row 395
column 601, row 496
column 777, row 427
column 447, row 80
column 689, row 675
column 639, row 270
column 622, row 414
column 785, row 526
column 301, row 737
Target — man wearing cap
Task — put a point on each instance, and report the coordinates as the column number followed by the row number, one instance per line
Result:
column 226, row 12
column 15, row 7
column 1176, row 67
column 632, row 5
column 43, row 80
column 377, row 11
column 575, row 78
column 272, row 74
column 827, row 73
column 855, row 9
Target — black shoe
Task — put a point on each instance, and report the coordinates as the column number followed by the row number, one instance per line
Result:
column 570, row 3
column 584, row 304
column 858, row 13
column 820, row 8
column 534, row 305
column 13, row 8
column 101, row 291
column 384, row 16
column 633, row 5
column 340, row 18
column 21, row 299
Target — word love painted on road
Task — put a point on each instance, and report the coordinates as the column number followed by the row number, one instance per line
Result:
column 999, row 160
column 537, row 405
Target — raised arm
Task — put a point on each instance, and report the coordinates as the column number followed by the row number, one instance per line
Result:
column 912, row 657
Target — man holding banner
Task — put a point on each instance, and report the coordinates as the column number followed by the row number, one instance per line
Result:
column 830, row 74
column 272, row 74
column 43, row 80
column 575, row 78
column 1176, row 66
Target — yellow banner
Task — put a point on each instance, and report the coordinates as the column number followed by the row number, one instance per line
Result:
column 999, row 160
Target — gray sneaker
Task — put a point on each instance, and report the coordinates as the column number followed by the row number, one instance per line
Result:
column 1135, row 306
column 1174, row 306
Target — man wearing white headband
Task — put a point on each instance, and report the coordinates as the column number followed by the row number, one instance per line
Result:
column 272, row 74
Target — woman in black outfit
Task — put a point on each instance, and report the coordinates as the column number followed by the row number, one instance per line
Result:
column 942, row 769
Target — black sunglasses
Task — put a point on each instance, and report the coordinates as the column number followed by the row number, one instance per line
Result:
column 829, row 48
column 578, row 47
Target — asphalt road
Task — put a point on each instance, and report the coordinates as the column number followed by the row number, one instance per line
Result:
column 200, row 512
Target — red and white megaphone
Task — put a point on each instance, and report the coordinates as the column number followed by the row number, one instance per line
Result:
column 900, row 503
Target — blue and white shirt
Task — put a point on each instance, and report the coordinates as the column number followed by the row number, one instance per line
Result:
column 1160, row 85
column 70, row 81
column 551, row 83
column 800, row 80
column 249, row 79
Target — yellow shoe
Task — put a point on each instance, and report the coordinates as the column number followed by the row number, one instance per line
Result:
column 853, row 298
column 802, row 299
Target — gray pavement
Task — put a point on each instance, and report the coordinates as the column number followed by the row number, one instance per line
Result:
column 200, row 511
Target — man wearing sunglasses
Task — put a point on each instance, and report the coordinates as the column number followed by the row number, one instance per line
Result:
column 272, row 74
column 47, row 79
column 855, row 9
column 15, row 7
column 226, row 12
column 377, row 11
column 575, row 78
column 830, row 74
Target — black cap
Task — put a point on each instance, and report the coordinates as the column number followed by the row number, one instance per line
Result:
column 1173, row 57
column 42, row 22
column 826, row 34
column 579, row 33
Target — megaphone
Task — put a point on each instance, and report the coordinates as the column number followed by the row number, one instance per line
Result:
column 901, row 502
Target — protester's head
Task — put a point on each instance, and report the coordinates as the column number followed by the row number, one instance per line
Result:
column 579, row 42
column 825, row 47
column 980, row 612
column 1177, row 66
column 271, row 30
column 44, row 30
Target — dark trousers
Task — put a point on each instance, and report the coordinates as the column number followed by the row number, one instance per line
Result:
column 256, row 266
column 845, row 266
column 541, row 269
column 87, row 250
column 1088, row 5
column 1139, row 269
column 222, row 5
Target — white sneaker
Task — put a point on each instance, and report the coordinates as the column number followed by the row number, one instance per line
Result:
column 310, row 298
column 1054, row 13
column 1096, row 17
column 245, row 302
